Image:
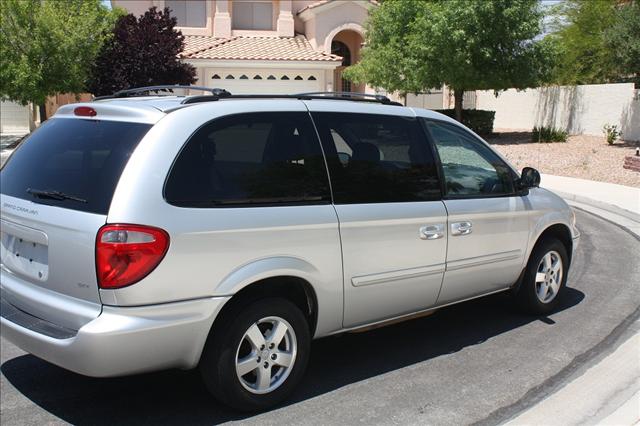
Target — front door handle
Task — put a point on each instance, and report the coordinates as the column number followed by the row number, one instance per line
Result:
column 461, row 228
column 431, row 232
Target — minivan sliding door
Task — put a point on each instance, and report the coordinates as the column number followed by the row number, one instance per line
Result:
column 392, row 221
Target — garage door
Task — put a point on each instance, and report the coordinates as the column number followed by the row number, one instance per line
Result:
column 14, row 118
column 264, row 82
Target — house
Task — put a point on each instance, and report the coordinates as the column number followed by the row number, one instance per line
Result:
column 268, row 46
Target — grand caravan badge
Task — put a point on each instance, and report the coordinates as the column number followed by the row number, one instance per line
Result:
column 20, row 209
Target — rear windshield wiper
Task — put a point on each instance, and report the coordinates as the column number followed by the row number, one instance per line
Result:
column 54, row 195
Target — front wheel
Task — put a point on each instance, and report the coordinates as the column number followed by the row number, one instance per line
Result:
column 544, row 278
column 258, row 355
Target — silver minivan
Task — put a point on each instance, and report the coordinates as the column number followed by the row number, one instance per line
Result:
column 144, row 232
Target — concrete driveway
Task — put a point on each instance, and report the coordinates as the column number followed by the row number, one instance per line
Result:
column 479, row 362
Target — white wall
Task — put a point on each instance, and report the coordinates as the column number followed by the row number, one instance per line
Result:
column 577, row 109
column 440, row 99
column 14, row 118
column 434, row 100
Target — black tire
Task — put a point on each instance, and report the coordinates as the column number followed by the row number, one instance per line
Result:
column 218, row 361
column 526, row 294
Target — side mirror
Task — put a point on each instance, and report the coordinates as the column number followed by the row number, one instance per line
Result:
column 529, row 178
column 344, row 158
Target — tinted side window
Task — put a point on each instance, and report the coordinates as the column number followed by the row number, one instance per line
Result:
column 377, row 158
column 80, row 158
column 470, row 167
column 250, row 159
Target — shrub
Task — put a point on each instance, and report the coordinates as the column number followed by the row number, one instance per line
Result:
column 611, row 133
column 548, row 134
column 478, row 120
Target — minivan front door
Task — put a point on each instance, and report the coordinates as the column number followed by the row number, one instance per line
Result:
column 488, row 223
column 392, row 220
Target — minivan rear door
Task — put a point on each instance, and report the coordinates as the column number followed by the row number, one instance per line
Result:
column 56, row 189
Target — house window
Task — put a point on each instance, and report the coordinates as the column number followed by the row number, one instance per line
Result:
column 252, row 15
column 190, row 13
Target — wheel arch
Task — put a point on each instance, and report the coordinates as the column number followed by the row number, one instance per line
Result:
column 288, row 277
column 561, row 232
column 558, row 230
column 294, row 289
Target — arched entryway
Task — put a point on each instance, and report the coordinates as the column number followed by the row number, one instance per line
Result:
column 346, row 43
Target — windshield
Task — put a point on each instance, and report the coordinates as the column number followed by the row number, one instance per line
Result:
column 71, row 163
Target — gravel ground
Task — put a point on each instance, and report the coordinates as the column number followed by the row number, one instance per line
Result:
column 584, row 157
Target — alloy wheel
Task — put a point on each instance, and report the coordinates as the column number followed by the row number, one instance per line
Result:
column 266, row 355
column 549, row 277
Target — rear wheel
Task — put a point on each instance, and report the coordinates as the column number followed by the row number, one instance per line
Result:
column 257, row 355
column 544, row 278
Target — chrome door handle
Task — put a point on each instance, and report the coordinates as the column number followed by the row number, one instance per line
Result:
column 431, row 232
column 461, row 228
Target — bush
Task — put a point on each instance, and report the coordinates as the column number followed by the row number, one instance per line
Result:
column 478, row 120
column 548, row 134
column 611, row 133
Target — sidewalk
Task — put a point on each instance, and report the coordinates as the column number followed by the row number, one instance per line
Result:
column 601, row 194
column 608, row 392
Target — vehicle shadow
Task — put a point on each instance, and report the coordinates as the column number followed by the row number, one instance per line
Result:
column 176, row 396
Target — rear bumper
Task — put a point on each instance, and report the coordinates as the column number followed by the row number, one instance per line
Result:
column 122, row 340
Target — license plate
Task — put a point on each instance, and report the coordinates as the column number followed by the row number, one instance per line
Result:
column 22, row 255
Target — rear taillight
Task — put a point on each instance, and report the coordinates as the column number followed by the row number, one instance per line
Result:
column 125, row 254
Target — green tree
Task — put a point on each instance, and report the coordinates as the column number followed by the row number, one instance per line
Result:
column 48, row 46
column 623, row 39
column 583, row 54
column 415, row 45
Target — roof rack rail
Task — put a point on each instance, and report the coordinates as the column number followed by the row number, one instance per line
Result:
column 340, row 96
column 348, row 96
column 216, row 92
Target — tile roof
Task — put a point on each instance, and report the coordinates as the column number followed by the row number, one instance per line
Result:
column 295, row 48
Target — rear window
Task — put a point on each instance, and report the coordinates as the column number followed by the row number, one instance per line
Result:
column 72, row 163
column 251, row 159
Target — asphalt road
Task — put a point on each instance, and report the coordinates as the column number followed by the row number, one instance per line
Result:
column 475, row 362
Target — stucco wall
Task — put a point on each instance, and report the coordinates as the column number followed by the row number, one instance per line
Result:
column 577, row 109
column 137, row 7
column 342, row 16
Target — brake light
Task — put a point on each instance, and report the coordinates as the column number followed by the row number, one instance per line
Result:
column 85, row 111
column 125, row 254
